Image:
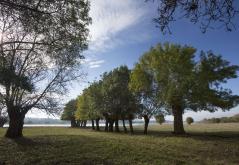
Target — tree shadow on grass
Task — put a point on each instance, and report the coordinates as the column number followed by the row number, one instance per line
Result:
column 222, row 135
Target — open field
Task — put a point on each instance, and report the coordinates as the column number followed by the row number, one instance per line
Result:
column 204, row 144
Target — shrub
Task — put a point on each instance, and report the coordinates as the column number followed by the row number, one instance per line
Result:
column 160, row 119
column 189, row 120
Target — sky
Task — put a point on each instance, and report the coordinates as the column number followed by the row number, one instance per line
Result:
column 122, row 31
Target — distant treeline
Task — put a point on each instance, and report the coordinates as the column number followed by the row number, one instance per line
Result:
column 233, row 119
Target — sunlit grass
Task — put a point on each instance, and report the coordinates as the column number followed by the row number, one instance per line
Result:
column 205, row 144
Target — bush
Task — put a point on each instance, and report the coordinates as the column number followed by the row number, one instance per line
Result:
column 160, row 119
column 189, row 120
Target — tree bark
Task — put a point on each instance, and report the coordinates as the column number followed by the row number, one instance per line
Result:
column 93, row 124
column 97, row 124
column 117, row 125
column 146, row 123
column 16, row 122
column 178, row 119
column 131, row 126
column 125, row 129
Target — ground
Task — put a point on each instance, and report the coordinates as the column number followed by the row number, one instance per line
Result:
column 204, row 144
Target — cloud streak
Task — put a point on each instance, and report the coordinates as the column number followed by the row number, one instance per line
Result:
column 110, row 18
column 92, row 63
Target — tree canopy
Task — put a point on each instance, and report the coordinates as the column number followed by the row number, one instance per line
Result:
column 40, row 54
column 69, row 112
column 186, row 84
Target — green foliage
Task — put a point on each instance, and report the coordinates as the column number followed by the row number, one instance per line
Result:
column 182, row 83
column 109, row 98
column 160, row 118
column 82, row 108
column 189, row 120
column 69, row 110
column 143, row 86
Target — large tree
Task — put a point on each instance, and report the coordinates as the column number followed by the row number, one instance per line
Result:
column 207, row 13
column 69, row 112
column 187, row 84
column 38, row 61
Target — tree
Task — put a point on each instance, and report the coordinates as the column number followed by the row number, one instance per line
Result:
column 189, row 120
column 160, row 119
column 69, row 112
column 96, row 102
column 208, row 14
column 39, row 60
column 143, row 86
column 81, row 113
column 119, row 102
column 186, row 84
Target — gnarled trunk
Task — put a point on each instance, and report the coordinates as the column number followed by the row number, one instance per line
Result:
column 117, row 125
column 93, row 124
column 146, row 123
column 178, row 119
column 16, row 122
column 125, row 129
column 97, row 124
column 131, row 126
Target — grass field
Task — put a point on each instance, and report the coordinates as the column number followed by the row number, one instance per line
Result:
column 204, row 144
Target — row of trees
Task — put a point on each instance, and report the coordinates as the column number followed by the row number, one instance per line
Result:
column 167, row 80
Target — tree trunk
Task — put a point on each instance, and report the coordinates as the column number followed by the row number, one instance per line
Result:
column 97, row 124
column 16, row 121
column 93, row 124
column 146, row 123
column 106, row 125
column 125, row 129
column 117, row 125
column 178, row 119
column 131, row 126
column 73, row 123
column 85, row 122
column 111, row 125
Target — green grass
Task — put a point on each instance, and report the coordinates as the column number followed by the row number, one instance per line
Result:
column 205, row 144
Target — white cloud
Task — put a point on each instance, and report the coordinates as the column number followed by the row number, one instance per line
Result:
column 96, row 62
column 95, row 66
column 111, row 17
column 92, row 62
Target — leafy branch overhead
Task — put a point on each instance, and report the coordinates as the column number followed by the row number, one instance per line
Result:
column 209, row 14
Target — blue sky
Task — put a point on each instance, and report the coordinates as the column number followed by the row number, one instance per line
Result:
column 123, row 30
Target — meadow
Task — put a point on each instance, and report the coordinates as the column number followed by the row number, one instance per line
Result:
column 203, row 144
